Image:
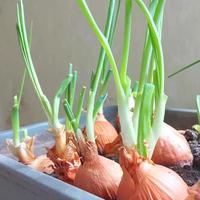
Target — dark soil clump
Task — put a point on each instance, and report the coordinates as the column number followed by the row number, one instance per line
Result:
column 191, row 174
column 188, row 173
column 193, row 138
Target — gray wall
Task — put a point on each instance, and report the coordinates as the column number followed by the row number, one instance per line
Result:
column 61, row 35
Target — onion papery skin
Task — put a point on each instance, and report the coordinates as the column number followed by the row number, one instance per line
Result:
column 24, row 152
column 98, row 175
column 172, row 148
column 59, row 135
column 143, row 180
column 66, row 166
column 107, row 139
column 43, row 164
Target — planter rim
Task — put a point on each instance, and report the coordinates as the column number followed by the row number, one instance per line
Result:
column 29, row 178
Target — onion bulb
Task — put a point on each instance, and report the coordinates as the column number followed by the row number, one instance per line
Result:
column 24, row 152
column 144, row 180
column 172, row 148
column 98, row 175
column 107, row 139
column 194, row 192
column 66, row 167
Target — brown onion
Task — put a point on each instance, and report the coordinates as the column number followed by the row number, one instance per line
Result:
column 43, row 164
column 66, row 164
column 172, row 148
column 98, row 175
column 107, row 139
column 143, row 180
column 24, row 152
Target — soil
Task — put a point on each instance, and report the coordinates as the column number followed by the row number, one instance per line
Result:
column 191, row 174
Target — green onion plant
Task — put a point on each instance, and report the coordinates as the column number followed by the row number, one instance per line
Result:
column 150, row 99
column 15, row 116
column 101, row 75
column 106, row 71
column 73, row 120
column 51, row 110
column 70, row 96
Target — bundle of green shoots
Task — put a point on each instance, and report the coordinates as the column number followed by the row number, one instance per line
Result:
column 140, row 133
column 98, row 174
column 64, row 154
column 105, row 135
column 137, row 177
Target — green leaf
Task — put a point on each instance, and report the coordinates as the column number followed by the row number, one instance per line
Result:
column 56, row 104
column 135, row 88
column 98, row 104
column 184, row 68
column 70, row 115
column 25, row 50
column 145, row 120
column 80, row 104
column 15, row 121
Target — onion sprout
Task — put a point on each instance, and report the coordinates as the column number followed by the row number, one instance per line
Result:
column 131, row 128
column 50, row 111
column 70, row 93
column 107, row 72
column 128, row 136
column 15, row 121
column 153, row 73
column 80, row 104
column 96, row 76
column 15, row 117
column 74, row 119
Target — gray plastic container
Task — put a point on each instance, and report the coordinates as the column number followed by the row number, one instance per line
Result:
column 18, row 181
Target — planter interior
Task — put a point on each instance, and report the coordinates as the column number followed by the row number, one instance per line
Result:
column 27, row 183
